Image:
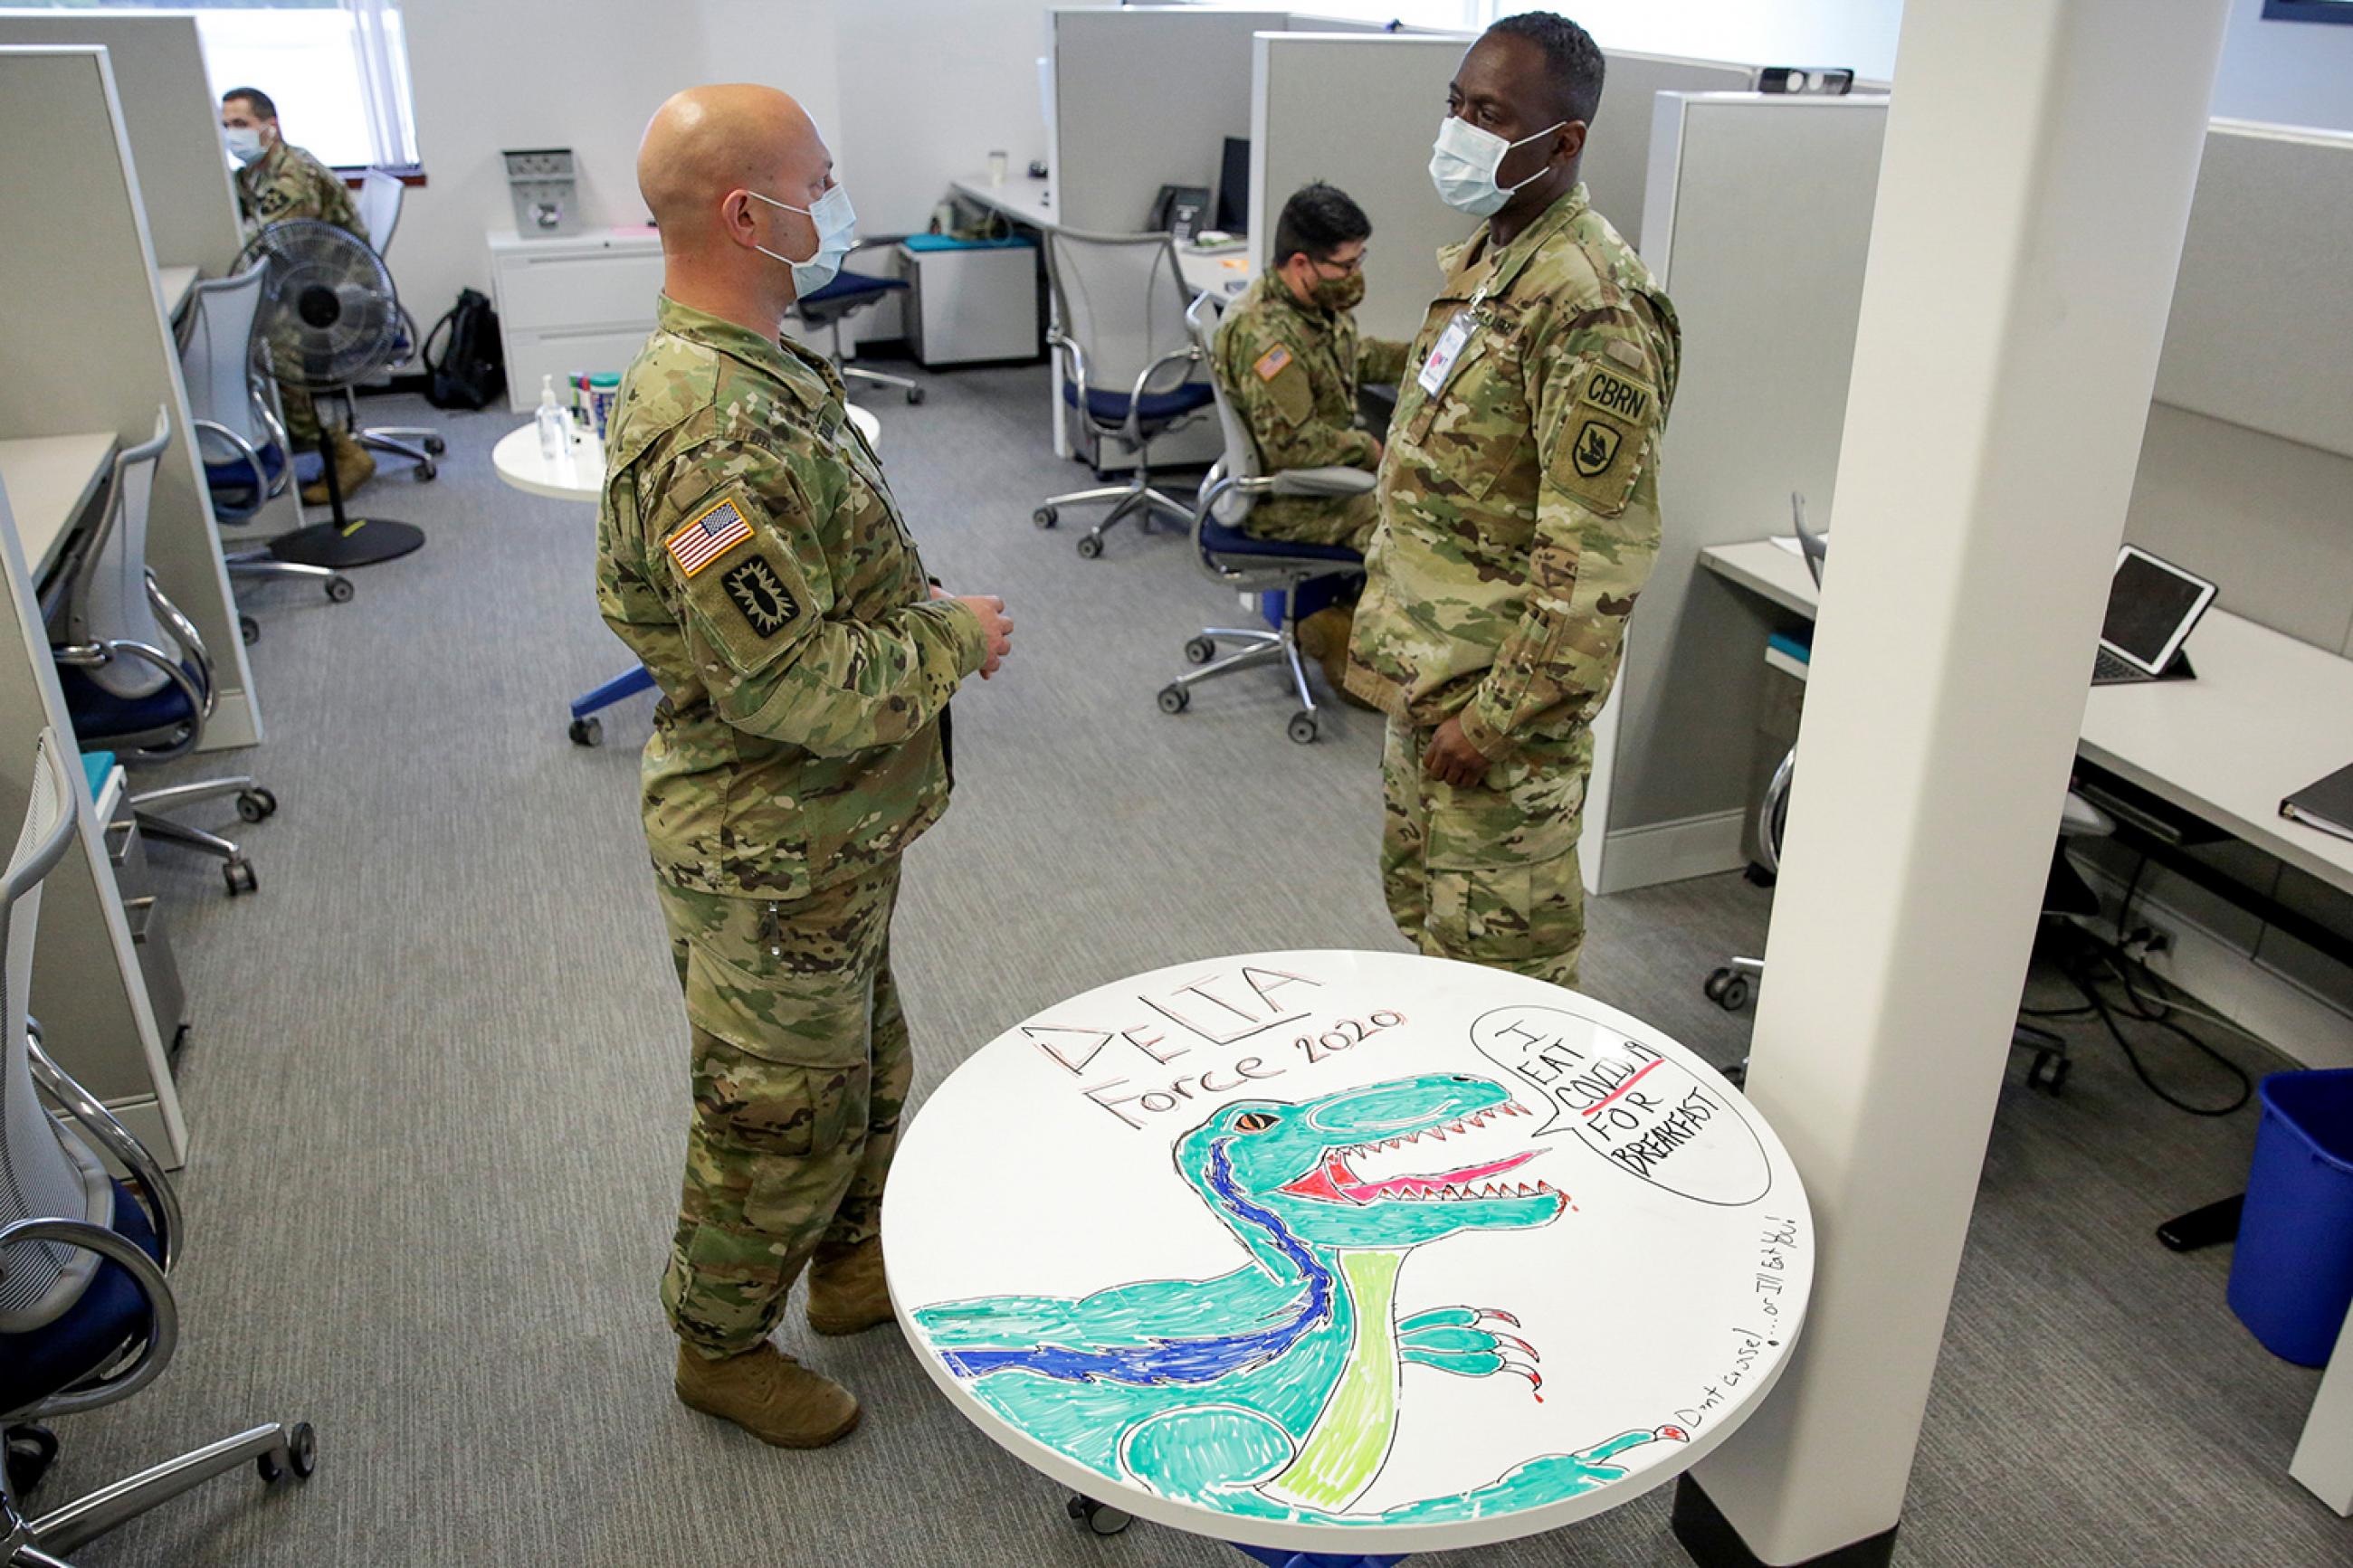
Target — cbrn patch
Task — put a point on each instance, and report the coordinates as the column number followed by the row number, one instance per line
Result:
column 760, row 595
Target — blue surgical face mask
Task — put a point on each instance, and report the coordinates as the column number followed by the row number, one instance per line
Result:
column 244, row 143
column 1463, row 163
column 837, row 236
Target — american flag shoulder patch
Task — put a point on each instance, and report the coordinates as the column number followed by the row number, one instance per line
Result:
column 708, row 535
column 1272, row 362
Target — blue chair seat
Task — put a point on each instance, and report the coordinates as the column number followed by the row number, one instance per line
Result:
column 101, row 715
column 1224, row 538
column 234, row 490
column 849, row 291
column 110, row 1313
column 1111, row 407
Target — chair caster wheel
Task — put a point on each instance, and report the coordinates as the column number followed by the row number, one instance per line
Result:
column 1736, row 1075
column 31, row 1451
column 588, row 732
column 1174, row 699
column 914, row 395
column 2049, row 1072
column 338, row 589
column 256, row 803
column 1727, row 988
column 434, row 445
column 425, row 471
column 1045, row 517
column 248, row 630
column 1097, row 1517
column 301, row 1455
column 1201, row 650
column 1301, row 728
column 239, row 875
column 1089, row 547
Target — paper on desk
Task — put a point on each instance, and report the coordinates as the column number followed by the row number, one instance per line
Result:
column 1789, row 542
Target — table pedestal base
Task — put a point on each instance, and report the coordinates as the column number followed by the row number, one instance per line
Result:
column 1275, row 1557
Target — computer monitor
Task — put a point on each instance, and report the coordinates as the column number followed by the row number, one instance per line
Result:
column 2152, row 605
column 1233, row 187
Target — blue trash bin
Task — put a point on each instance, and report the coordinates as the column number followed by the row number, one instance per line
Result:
column 2292, row 1277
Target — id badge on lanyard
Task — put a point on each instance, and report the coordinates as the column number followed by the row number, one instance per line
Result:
column 1449, row 348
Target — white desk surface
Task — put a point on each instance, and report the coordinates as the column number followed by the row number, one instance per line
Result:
column 175, row 282
column 579, row 475
column 1225, row 273
column 2266, row 716
column 1508, row 1231
column 49, row 479
column 1019, row 198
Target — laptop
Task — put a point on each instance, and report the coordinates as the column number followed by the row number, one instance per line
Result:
column 2152, row 606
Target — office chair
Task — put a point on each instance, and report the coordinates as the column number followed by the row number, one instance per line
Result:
column 379, row 203
column 88, row 1317
column 1119, row 313
column 1271, row 567
column 237, row 430
column 2064, row 892
column 125, row 692
column 849, row 293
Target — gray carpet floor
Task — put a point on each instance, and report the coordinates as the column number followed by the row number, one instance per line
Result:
column 436, row 1088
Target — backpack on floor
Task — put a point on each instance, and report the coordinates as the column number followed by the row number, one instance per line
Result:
column 470, row 370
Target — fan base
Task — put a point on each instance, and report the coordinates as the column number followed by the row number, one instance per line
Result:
column 361, row 542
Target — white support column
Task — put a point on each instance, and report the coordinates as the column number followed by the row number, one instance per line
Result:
column 2032, row 198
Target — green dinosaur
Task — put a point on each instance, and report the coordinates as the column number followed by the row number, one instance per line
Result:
column 1271, row 1391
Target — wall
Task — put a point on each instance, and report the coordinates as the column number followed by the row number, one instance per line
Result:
column 587, row 74
column 1856, row 33
column 2290, row 73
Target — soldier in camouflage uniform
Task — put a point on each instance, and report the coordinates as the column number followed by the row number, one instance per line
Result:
column 1520, row 516
column 1290, row 359
column 276, row 181
column 750, row 552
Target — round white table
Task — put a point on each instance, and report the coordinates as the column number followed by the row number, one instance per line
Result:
column 1346, row 1255
column 578, row 474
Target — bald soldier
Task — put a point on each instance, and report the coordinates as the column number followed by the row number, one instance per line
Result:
column 1520, row 516
column 278, row 181
column 750, row 552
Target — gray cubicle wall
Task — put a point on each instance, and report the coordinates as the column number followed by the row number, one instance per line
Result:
column 1757, row 218
column 173, row 122
column 1361, row 111
column 1145, row 96
column 94, row 351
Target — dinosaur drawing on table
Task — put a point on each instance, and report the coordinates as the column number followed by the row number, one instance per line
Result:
column 1271, row 1391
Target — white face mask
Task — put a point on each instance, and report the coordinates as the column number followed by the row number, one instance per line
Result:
column 837, row 236
column 244, row 142
column 1463, row 163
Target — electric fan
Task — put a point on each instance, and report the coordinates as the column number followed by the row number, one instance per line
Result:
column 329, row 312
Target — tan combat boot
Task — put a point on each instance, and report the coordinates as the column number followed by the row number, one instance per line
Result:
column 769, row 1394
column 1323, row 637
column 846, row 1291
column 354, row 465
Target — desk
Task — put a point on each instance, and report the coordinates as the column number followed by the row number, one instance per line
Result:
column 1225, row 273
column 2266, row 716
column 579, row 475
column 51, row 481
column 174, row 282
column 1409, row 1255
column 1020, row 199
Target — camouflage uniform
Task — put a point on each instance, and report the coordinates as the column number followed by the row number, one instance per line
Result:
column 1520, row 507
column 287, row 182
column 1292, row 372
column 750, row 552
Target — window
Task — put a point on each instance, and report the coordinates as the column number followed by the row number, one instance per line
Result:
column 1444, row 15
column 2309, row 11
column 337, row 69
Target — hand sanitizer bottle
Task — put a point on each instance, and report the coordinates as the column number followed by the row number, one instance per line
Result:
column 554, row 431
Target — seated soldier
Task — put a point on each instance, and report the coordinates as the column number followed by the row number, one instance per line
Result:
column 1289, row 360
column 276, row 181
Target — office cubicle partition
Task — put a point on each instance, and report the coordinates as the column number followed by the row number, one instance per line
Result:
column 87, row 345
column 1757, row 218
column 170, row 120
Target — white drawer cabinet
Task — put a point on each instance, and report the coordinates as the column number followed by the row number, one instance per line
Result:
column 583, row 302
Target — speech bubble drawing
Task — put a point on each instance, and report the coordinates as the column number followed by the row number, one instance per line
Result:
column 1629, row 1103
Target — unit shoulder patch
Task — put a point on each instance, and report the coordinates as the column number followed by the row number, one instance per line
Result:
column 1600, row 456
